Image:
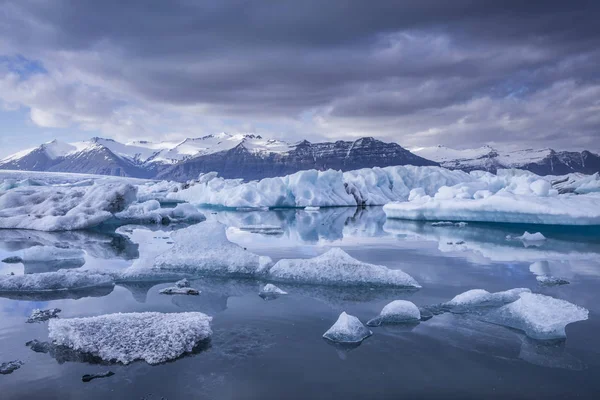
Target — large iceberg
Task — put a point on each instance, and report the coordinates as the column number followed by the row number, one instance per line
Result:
column 151, row 212
column 54, row 208
column 202, row 249
column 336, row 267
column 509, row 197
column 150, row 336
column 539, row 316
column 369, row 186
column 347, row 330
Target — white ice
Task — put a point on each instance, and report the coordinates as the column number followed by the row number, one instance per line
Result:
column 472, row 299
column 63, row 279
column 398, row 311
column 52, row 208
column 203, row 249
column 531, row 237
column 49, row 253
column 151, row 212
column 336, row 267
column 347, row 329
column 150, row 336
column 270, row 289
column 539, row 316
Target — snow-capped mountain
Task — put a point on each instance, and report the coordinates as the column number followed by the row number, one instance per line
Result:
column 541, row 162
column 232, row 156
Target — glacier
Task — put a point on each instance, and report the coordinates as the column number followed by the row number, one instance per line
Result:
column 126, row 337
column 337, row 268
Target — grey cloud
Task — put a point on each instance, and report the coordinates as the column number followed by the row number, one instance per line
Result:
column 431, row 71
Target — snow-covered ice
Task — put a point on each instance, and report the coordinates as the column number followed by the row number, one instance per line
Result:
column 397, row 312
column 531, row 237
column 202, row 249
column 52, row 208
column 476, row 298
column 336, row 267
column 150, row 336
column 270, row 291
column 347, row 330
column 312, row 208
column 38, row 315
column 63, row 279
column 539, row 316
column 179, row 290
column 151, row 212
column 547, row 280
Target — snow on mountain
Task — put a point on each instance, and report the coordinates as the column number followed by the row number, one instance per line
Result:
column 486, row 158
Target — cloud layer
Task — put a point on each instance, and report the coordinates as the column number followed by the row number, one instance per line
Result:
column 459, row 73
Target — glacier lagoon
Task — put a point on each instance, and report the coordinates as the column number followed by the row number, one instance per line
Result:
column 274, row 349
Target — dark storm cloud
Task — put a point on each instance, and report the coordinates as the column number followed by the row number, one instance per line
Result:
column 357, row 66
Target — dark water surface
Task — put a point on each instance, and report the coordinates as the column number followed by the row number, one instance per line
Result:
column 274, row 349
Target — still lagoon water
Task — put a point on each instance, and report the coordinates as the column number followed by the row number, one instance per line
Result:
column 275, row 350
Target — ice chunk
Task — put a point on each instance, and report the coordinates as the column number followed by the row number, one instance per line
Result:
column 38, row 315
column 336, row 267
column 9, row 367
column 51, row 208
column 51, row 253
column 531, row 237
column 476, row 298
column 180, row 290
column 12, row 260
column 270, row 291
column 547, row 280
column 312, row 208
column 347, row 329
column 53, row 281
column 182, row 283
column 397, row 312
column 150, row 336
column 204, row 249
column 539, row 316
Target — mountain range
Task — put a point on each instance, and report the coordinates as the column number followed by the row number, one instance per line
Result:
column 251, row 157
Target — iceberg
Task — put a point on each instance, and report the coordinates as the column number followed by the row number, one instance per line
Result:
column 505, row 208
column 531, row 237
column 337, row 268
column 61, row 280
column 52, row 208
column 540, row 317
column 270, row 292
column 547, row 280
column 51, row 253
column 181, row 287
column 150, row 336
column 150, row 212
column 347, row 330
column 397, row 312
column 200, row 250
column 311, row 208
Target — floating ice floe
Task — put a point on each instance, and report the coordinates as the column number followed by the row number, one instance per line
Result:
column 448, row 223
column 152, row 213
column 270, row 291
column 150, row 336
column 51, row 208
column 312, row 208
column 476, row 298
column 397, row 312
column 204, row 249
column 347, row 330
column 540, row 317
column 38, row 315
column 53, row 281
column 336, row 267
column 50, row 253
column 9, row 367
column 530, row 237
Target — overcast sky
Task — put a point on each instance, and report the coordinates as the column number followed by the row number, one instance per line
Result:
column 461, row 73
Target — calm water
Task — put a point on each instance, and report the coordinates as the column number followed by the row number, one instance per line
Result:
column 274, row 350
